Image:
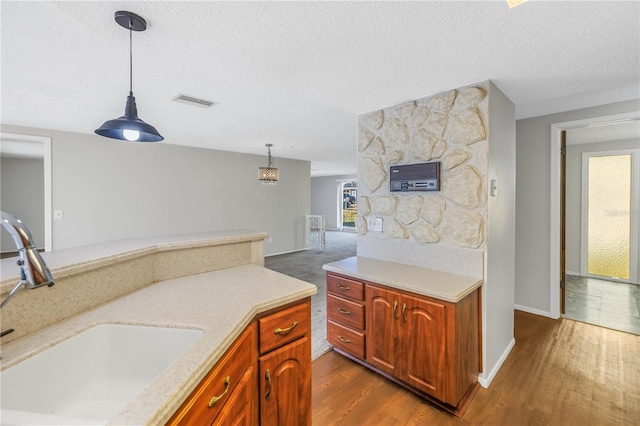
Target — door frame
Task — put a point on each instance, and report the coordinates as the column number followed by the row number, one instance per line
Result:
column 48, row 214
column 554, row 200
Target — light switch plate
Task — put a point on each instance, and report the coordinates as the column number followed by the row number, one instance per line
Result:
column 57, row 214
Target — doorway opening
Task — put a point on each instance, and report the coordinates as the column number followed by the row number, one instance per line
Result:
column 556, row 258
column 349, row 205
column 598, row 254
column 26, row 192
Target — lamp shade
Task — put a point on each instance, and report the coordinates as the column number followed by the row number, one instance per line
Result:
column 268, row 175
column 129, row 127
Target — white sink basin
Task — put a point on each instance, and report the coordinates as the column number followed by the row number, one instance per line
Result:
column 90, row 377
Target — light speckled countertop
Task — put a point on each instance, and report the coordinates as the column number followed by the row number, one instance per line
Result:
column 75, row 260
column 427, row 282
column 220, row 303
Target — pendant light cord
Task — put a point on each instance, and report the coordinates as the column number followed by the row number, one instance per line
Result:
column 270, row 159
column 130, row 56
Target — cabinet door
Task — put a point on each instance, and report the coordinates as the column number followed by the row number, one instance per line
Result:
column 242, row 407
column 382, row 322
column 423, row 345
column 285, row 385
column 210, row 396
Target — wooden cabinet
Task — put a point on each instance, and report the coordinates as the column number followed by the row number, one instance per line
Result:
column 423, row 343
column 409, row 339
column 428, row 345
column 241, row 409
column 285, row 367
column 285, row 385
column 382, row 316
column 263, row 378
column 346, row 315
column 222, row 383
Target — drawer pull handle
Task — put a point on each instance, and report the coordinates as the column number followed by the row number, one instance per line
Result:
column 227, row 384
column 395, row 309
column 267, row 376
column 342, row 311
column 344, row 287
column 285, row 330
column 342, row 339
column 404, row 312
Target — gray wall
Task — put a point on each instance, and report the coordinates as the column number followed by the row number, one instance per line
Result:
column 325, row 198
column 22, row 195
column 574, row 195
column 498, row 289
column 533, row 221
column 110, row 190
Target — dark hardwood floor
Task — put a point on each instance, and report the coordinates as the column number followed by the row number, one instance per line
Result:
column 559, row 373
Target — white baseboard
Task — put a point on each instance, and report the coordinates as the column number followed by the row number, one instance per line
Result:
column 486, row 381
column 577, row 274
column 286, row 252
column 533, row 311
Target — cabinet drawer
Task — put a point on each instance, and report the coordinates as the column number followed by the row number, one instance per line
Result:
column 345, row 287
column 345, row 312
column 346, row 339
column 221, row 382
column 284, row 326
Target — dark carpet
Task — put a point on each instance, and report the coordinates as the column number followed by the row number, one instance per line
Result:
column 307, row 266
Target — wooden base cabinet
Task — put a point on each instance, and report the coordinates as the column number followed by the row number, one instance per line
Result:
column 409, row 340
column 428, row 345
column 285, row 385
column 346, row 315
column 263, row 378
column 285, row 367
column 223, row 387
column 241, row 410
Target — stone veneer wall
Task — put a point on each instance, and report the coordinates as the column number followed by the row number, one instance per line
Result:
column 449, row 226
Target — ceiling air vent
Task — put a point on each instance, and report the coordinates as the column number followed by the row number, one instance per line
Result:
column 190, row 100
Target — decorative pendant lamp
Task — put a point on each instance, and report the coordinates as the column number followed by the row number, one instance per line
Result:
column 268, row 175
column 129, row 127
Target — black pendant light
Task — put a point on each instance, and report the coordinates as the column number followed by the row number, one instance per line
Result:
column 129, row 127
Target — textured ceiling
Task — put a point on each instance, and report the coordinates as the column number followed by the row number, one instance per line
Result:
column 296, row 74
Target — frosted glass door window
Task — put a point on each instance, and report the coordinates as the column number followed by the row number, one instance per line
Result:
column 609, row 215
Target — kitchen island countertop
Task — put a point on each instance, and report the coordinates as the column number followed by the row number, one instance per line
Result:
column 220, row 303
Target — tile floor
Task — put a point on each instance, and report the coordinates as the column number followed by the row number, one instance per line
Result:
column 604, row 303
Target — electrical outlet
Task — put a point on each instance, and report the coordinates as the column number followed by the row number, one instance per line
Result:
column 270, row 239
column 374, row 224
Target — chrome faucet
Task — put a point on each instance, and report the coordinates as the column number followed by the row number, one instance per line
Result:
column 34, row 272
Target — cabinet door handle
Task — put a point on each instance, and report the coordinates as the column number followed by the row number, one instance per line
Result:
column 342, row 311
column 344, row 287
column 342, row 339
column 285, row 330
column 404, row 312
column 227, row 384
column 267, row 376
column 395, row 309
